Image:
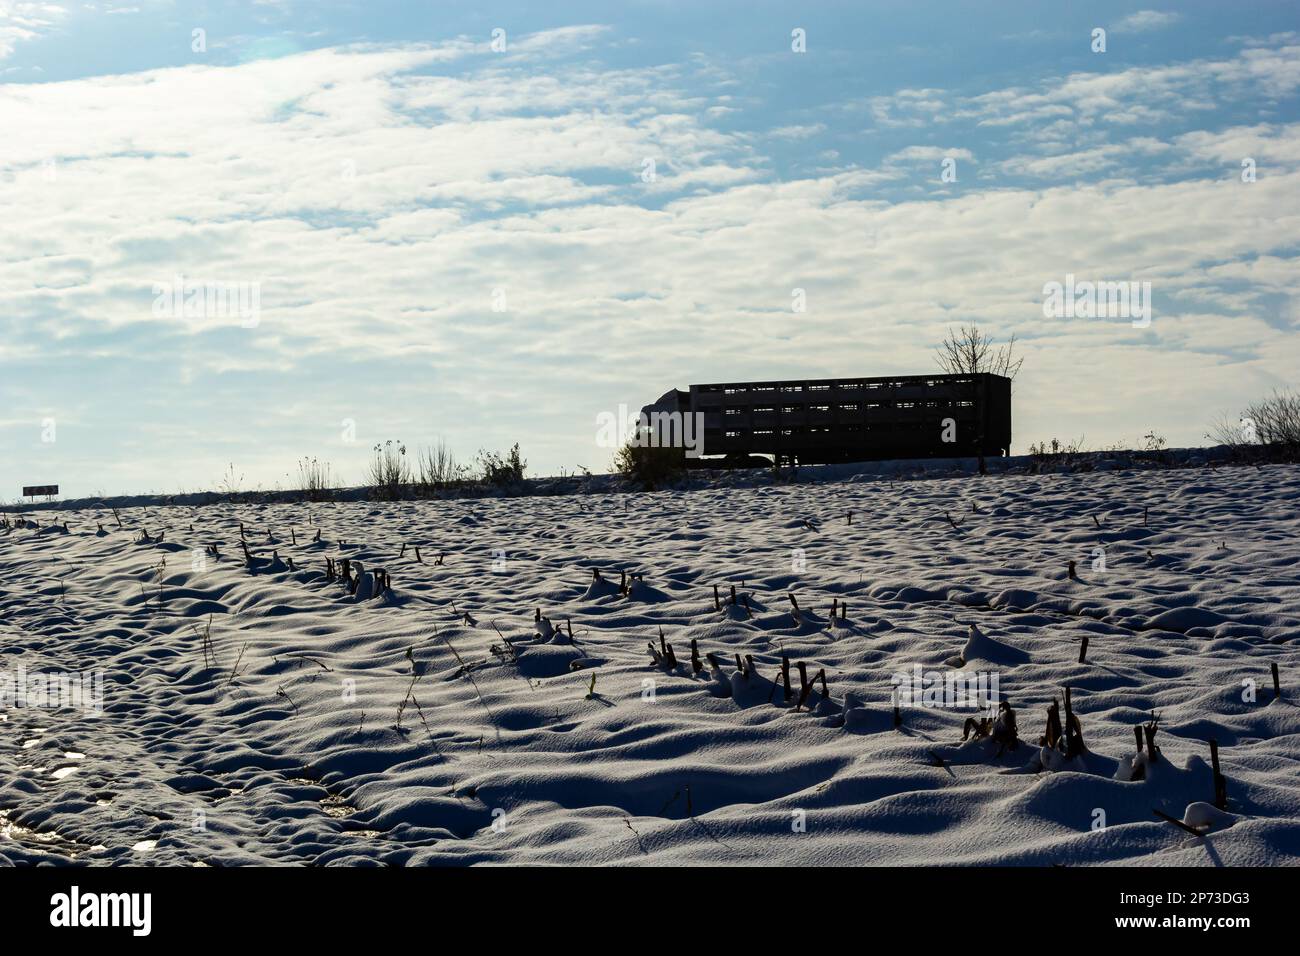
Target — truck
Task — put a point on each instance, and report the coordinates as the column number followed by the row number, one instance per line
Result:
column 821, row 421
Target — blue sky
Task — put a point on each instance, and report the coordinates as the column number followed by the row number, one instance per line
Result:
column 457, row 242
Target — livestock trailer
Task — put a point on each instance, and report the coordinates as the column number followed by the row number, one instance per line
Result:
column 816, row 421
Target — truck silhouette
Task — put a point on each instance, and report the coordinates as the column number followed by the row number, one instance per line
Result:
column 818, row 421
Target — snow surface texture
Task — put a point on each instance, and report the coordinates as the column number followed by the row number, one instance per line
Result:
column 292, row 743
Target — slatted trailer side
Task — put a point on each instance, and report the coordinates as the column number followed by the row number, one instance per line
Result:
column 856, row 419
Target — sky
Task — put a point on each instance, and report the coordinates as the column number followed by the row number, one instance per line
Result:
column 484, row 223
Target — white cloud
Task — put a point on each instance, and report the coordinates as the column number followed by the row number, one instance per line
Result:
column 797, row 132
column 24, row 20
column 380, row 204
column 907, row 107
column 560, row 41
column 1284, row 38
column 1080, row 161
column 1136, row 95
column 929, row 154
column 1267, row 144
column 1144, row 21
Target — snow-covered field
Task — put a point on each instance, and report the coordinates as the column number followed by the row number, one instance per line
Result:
column 433, row 724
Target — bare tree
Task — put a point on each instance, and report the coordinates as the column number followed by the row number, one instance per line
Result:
column 1272, row 423
column 967, row 350
column 1276, row 419
column 1233, row 431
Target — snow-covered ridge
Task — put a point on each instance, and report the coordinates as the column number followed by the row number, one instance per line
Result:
column 897, row 469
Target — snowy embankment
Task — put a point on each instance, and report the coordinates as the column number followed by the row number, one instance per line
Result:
column 256, row 711
column 903, row 469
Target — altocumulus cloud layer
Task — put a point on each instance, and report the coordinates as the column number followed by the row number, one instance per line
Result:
column 453, row 241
